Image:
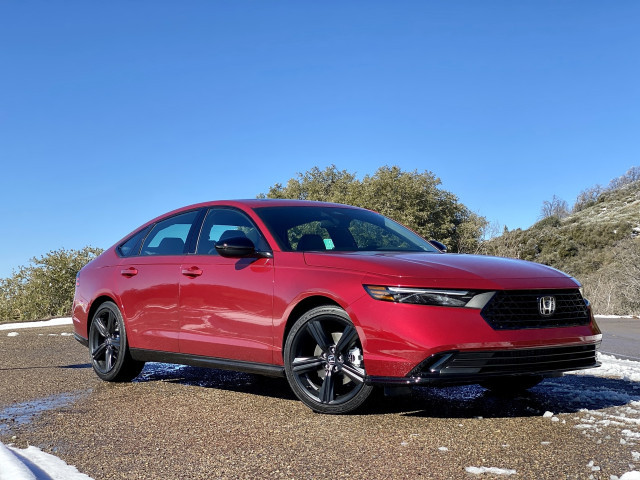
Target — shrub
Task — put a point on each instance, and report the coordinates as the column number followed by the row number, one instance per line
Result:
column 45, row 288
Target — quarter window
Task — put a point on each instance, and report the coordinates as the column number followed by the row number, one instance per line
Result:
column 131, row 247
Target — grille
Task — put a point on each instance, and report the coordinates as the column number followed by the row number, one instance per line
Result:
column 529, row 360
column 512, row 310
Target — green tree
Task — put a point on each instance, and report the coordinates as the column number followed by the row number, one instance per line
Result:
column 412, row 198
column 44, row 288
column 328, row 185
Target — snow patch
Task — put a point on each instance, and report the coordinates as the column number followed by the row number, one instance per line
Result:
column 54, row 322
column 635, row 475
column 492, row 470
column 34, row 464
column 613, row 367
column 593, row 466
column 630, row 434
column 12, row 468
column 12, row 334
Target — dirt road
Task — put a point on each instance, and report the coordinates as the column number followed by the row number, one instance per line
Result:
column 184, row 422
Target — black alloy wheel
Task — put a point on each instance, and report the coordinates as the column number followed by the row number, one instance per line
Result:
column 108, row 348
column 324, row 361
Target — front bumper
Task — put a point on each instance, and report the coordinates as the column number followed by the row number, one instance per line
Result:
column 398, row 339
column 467, row 367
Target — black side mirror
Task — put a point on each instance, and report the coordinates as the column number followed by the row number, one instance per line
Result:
column 236, row 247
column 440, row 246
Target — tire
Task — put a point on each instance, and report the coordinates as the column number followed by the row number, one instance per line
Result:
column 511, row 385
column 108, row 346
column 323, row 362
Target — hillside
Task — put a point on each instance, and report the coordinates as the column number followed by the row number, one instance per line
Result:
column 599, row 245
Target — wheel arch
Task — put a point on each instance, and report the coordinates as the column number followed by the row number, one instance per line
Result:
column 94, row 307
column 301, row 308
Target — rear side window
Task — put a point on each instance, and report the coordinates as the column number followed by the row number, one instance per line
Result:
column 169, row 236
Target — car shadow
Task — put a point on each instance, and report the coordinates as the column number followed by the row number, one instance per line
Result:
column 76, row 366
column 567, row 394
column 276, row 387
column 47, row 367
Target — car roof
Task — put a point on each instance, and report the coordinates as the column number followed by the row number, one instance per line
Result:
column 251, row 203
column 272, row 202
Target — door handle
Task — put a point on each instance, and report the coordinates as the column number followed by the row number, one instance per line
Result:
column 129, row 272
column 192, row 272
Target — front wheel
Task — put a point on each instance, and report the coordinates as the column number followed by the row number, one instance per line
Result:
column 108, row 347
column 324, row 363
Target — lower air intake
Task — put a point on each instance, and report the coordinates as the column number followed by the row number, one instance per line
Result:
column 509, row 362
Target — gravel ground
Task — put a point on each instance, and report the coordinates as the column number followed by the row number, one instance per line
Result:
column 184, row 422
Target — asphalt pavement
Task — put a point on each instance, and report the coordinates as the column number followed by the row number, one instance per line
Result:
column 621, row 337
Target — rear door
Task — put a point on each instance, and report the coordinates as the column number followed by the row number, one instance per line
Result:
column 149, row 283
column 226, row 304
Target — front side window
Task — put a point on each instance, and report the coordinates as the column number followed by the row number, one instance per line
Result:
column 223, row 223
column 169, row 236
column 309, row 236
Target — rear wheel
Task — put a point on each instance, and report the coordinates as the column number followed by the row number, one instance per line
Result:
column 323, row 361
column 511, row 385
column 108, row 347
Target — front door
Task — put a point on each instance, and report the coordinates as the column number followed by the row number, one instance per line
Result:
column 226, row 304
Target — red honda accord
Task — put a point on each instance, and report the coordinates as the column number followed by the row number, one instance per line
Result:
column 337, row 298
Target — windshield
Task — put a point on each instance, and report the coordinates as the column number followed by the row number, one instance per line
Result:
column 302, row 228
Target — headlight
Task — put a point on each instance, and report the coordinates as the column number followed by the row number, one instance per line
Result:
column 428, row 296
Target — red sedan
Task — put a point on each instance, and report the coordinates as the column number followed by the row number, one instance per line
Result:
column 337, row 298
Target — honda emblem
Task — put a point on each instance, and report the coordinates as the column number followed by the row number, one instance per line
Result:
column 547, row 306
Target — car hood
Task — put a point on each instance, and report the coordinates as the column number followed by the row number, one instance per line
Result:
column 445, row 270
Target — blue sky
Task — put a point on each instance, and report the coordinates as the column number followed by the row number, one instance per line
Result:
column 114, row 112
